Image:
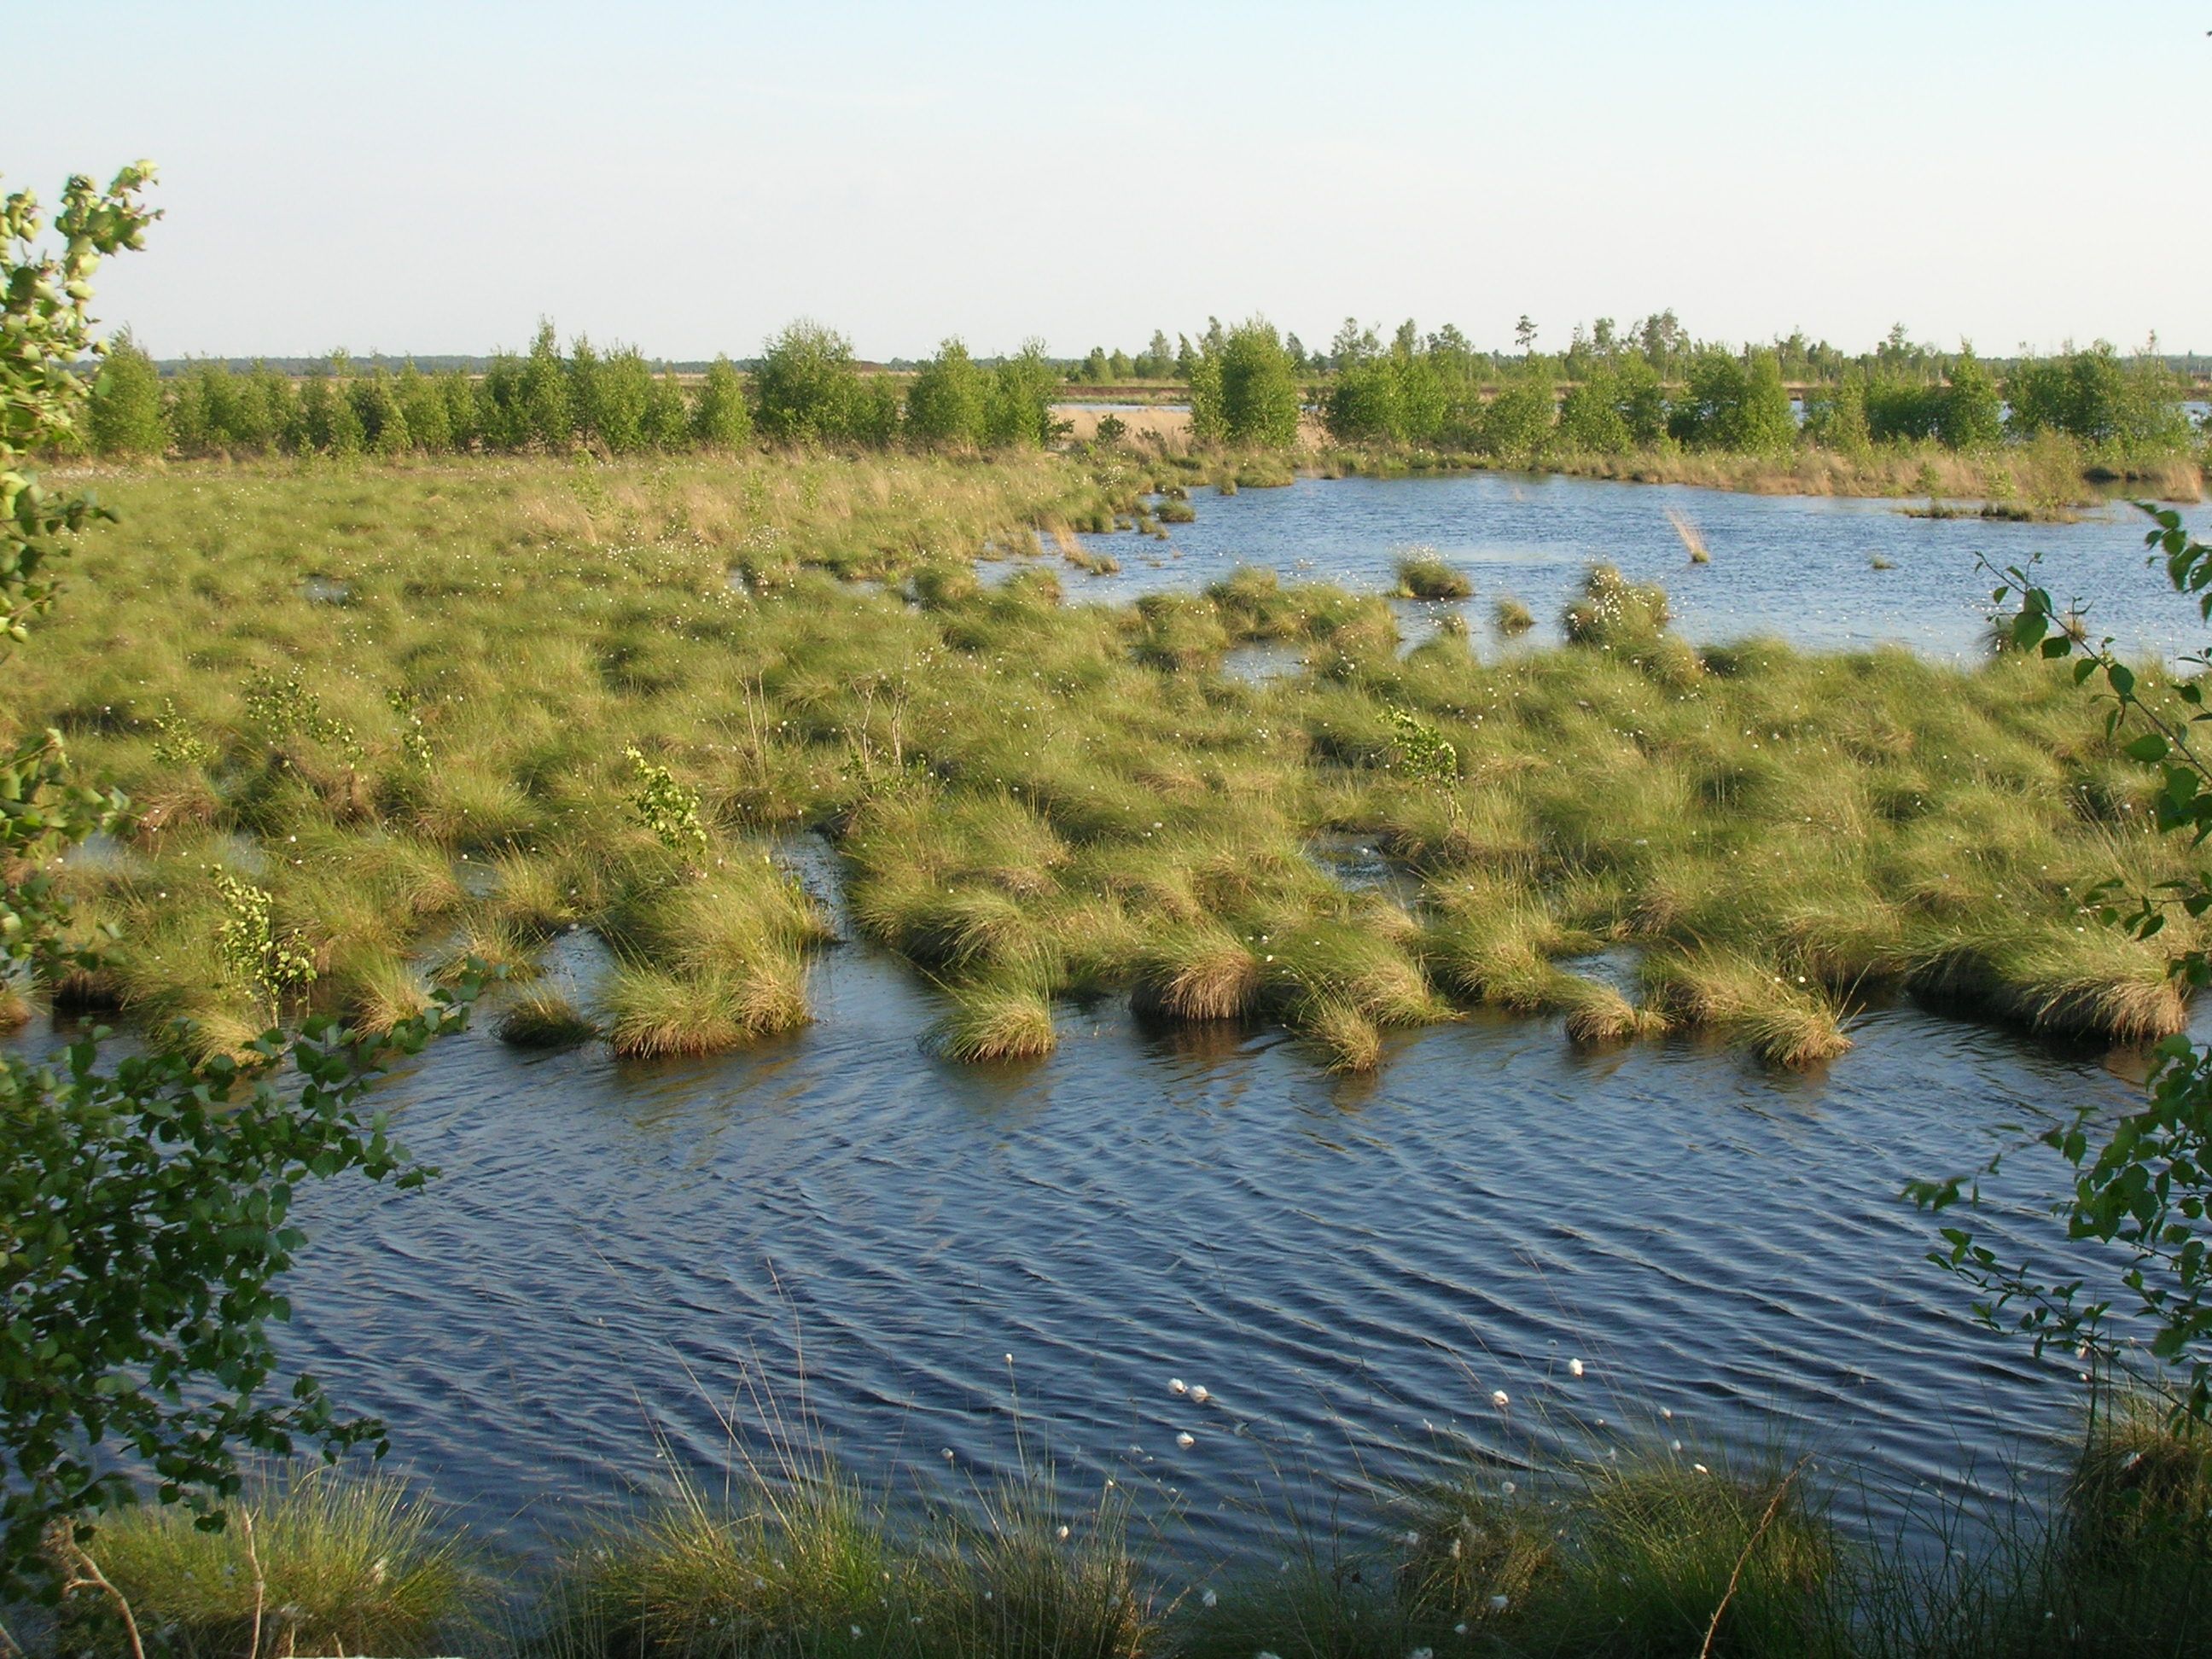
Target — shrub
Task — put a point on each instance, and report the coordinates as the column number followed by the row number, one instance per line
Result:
column 947, row 402
column 1245, row 390
column 721, row 419
column 806, row 384
column 125, row 416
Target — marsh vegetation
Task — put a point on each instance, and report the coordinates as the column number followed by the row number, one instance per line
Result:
column 1632, row 1548
column 1035, row 802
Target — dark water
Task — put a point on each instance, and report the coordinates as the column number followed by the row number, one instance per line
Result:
column 1799, row 567
column 621, row 1262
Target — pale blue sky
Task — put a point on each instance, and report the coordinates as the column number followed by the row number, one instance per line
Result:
column 688, row 177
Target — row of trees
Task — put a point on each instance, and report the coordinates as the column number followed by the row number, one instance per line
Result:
column 1431, row 393
column 1660, row 340
column 805, row 387
column 1247, row 385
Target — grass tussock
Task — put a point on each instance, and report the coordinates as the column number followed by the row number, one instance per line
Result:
column 1783, row 1021
column 651, row 1014
column 1424, row 574
column 316, row 1563
column 544, row 1018
column 994, row 1022
column 1201, row 972
column 807, row 1565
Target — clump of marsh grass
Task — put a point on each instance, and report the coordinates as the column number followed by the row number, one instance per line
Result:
column 1661, row 1555
column 2087, row 980
column 1199, row 972
column 1782, row 1022
column 1692, row 539
column 1021, row 1579
column 488, row 941
column 1423, row 573
column 1614, row 611
column 795, row 1569
column 544, row 1018
column 652, row 1013
column 2141, row 1485
column 1334, row 965
column 1512, row 618
column 996, row 1019
column 380, row 992
column 1344, row 1035
column 315, row 1562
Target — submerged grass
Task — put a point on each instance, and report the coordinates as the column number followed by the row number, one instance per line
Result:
column 1069, row 799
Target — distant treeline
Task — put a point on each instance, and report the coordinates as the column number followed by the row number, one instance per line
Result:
column 806, row 386
column 1613, row 391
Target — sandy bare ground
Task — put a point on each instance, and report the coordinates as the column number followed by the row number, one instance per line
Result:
column 1170, row 428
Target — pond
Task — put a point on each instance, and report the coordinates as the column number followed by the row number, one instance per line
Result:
column 1803, row 567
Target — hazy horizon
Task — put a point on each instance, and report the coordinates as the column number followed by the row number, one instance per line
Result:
column 410, row 180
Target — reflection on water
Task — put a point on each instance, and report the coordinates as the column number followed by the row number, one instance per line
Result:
column 1801, row 567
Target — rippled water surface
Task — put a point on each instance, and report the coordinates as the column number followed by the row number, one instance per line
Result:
column 1802, row 567
column 616, row 1254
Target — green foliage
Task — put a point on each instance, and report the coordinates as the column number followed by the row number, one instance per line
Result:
column 127, row 417
column 1736, row 404
column 1244, row 391
column 245, row 941
column 665, row 807
column 544, row 416
column 2141, row 1186
column 1902, row 411
column 620, row 400
column 1516, row 424
column 1425, row 756
column 1970, row 414
column 143, row 1207
column 1591, row 416
column 2092, row 396
column 806, row 386
column 949, row 401
column 1837, row 418
column 146, row 1217
column 721, row 418
column 1019, row 409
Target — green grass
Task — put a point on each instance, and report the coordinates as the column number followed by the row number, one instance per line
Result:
column 1023, row 788
column 544, row 1018
column 1513, row 617
column 319, row 1562
column 1427, row 575
column 808, row 1566
column 996, row 1021
column 1623, row 1547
